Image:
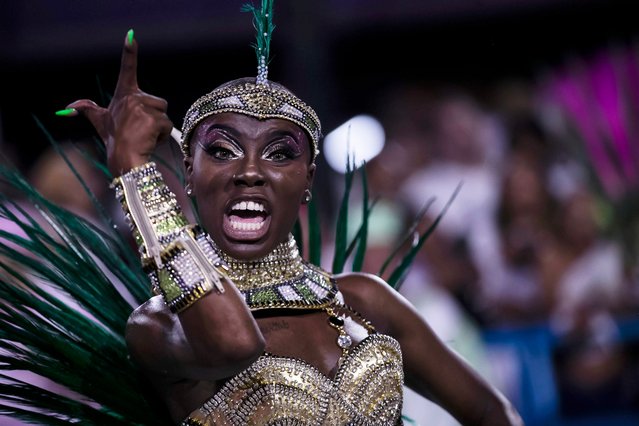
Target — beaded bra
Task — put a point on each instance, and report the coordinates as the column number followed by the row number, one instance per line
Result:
column 367, row 391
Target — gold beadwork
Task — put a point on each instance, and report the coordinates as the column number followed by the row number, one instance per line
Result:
column 191, row 269
column 268, row 100
column 160, row 207
column 367, row 390
column 282, row 279
column 179, row 258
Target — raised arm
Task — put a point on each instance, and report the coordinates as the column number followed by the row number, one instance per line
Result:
column 199, row 328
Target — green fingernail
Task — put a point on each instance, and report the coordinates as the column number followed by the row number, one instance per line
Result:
column 129, row 37
column 65, row 112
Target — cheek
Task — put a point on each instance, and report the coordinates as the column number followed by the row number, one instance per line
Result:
column 290, row 181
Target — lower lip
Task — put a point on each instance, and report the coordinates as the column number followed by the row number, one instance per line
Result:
column 236, row 234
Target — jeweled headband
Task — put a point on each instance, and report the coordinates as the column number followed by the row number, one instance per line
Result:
column 259, row 100
column 255, row 96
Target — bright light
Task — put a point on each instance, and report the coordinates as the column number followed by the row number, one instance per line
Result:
column 361, row 138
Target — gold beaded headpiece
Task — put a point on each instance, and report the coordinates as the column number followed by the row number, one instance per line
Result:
column 255, row 96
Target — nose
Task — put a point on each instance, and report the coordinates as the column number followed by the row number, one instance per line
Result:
column 249, row 174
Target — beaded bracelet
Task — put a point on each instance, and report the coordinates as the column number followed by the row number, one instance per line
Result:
column 151, row 209
column 179, row 258
column 191, row 269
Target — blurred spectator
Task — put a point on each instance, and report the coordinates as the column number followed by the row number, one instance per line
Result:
column 524, row 217
column 592, row 364
column 468, row 145
column 52, row 177
column 441, row 280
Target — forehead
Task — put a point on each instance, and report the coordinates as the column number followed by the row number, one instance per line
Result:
column 241, row 125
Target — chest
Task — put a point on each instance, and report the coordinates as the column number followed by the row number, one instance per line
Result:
column 309, row 337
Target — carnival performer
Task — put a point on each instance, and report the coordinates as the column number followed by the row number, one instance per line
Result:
column 243, row 330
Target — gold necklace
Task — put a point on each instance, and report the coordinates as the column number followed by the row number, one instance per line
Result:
column 282, row 279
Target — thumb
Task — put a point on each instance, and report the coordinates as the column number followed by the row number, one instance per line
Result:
column 97, row 116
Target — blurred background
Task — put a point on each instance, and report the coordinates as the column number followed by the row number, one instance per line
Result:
column 530, row 105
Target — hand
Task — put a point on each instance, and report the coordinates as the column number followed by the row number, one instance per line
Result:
column 133, row 123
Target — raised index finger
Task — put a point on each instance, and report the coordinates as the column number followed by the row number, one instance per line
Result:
column 128, row 78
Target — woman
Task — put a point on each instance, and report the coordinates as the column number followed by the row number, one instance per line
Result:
column 242, row 330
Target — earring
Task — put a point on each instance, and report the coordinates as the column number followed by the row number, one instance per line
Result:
column 189, row 191
column 307, row 196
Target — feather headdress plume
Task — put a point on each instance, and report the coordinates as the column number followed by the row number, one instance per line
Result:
column 263, row 23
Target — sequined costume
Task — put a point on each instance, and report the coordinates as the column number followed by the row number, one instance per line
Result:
column 367, row 390
column 184, row 264
column 275, row 390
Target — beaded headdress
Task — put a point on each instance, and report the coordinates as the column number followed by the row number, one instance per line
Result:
column 255, row 96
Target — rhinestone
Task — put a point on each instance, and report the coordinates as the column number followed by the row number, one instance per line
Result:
column 344, row 341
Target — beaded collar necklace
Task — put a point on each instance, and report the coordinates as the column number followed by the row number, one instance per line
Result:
column 282, row 279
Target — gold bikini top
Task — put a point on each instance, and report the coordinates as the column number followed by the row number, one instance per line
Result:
column 367, row 390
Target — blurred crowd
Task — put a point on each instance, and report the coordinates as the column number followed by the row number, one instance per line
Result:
column 524, row 243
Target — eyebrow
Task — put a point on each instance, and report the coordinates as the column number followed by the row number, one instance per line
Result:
column 227, row 130
column 231, row 132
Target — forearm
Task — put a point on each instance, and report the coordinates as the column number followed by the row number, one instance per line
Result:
column 499, row 411
column 178, row 257
column 216, row 327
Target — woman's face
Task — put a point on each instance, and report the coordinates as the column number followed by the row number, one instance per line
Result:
column 248, row 177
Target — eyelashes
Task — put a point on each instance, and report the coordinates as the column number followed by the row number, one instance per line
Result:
column 282, row 150
column 221, row 149
column 276, row 151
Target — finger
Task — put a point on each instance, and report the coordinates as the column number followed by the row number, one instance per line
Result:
column 128, row 78
column 97, row 115
column 152, row 102
column 164, row 127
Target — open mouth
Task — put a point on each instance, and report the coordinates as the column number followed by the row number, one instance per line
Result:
column 246, row 220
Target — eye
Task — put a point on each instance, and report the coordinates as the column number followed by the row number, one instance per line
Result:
column 282, row 150
column 221, row 150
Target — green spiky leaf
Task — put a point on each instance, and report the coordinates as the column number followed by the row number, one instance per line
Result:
column 397, row 277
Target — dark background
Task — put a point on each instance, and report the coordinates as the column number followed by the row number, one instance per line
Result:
column 338, row 55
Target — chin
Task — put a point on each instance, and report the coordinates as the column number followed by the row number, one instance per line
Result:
column 247, row 249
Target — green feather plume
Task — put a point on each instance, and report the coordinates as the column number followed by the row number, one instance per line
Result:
column 263, row 24
column 67, row 287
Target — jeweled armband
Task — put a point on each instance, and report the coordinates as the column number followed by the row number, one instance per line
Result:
column 191, row 269
column 151, row 209
column 178, row 258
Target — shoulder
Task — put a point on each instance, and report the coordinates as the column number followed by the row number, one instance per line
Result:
column 373, row 297
column 362, row 283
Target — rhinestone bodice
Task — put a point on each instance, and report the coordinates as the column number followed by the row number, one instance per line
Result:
column 367, row 390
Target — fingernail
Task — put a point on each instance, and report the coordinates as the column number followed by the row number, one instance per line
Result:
column 129, row 37
column 66, row 112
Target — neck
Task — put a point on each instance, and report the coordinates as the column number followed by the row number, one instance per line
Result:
column 281, row 279
column 282, row 264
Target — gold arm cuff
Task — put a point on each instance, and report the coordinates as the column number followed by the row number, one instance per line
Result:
column 150, row 208
column 191, row 269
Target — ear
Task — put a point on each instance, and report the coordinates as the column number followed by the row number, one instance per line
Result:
column 188, row 168
column 310, row 175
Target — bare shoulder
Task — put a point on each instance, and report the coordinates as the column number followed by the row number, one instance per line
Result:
column 373, row 297
column 362, row 285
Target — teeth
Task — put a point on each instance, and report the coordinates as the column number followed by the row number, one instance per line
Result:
column 243, row 226
column 248, row 205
